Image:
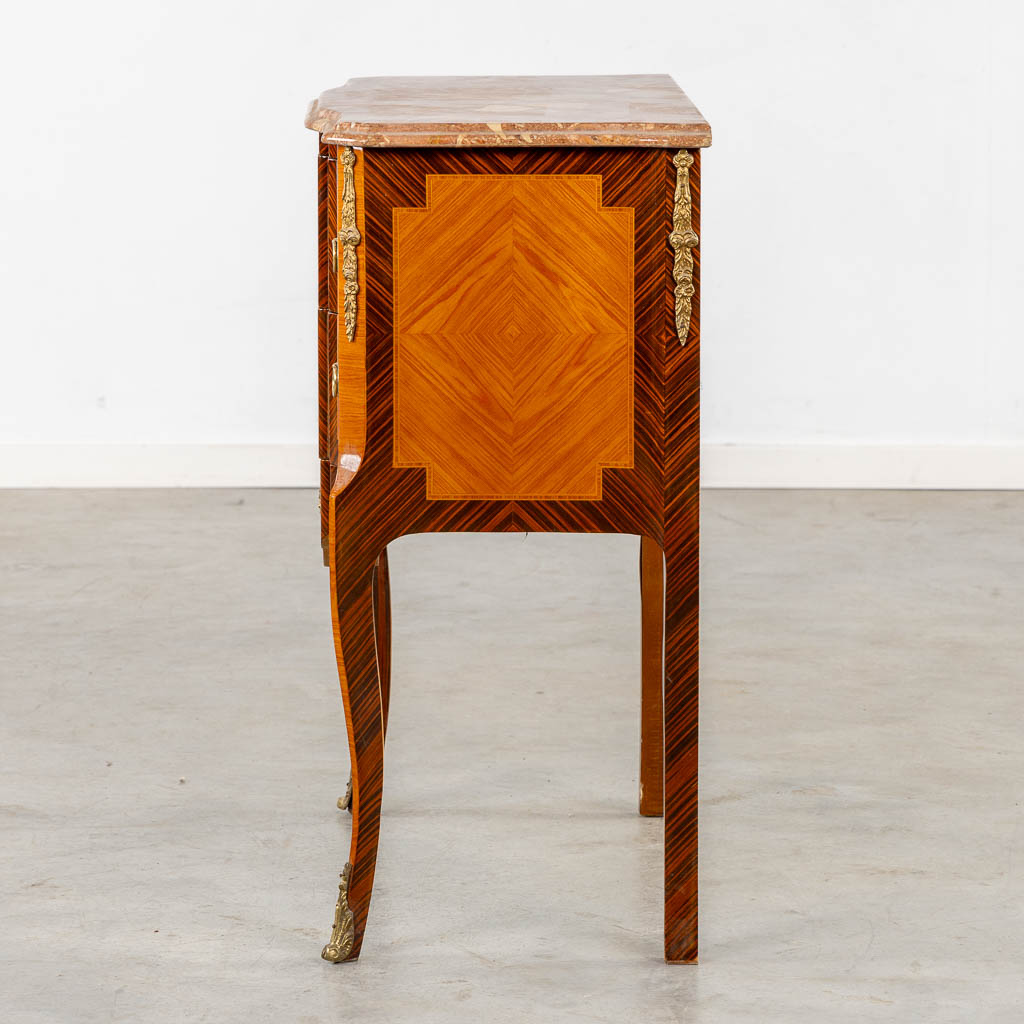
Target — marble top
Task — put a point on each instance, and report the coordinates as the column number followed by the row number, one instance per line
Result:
column 561, row 110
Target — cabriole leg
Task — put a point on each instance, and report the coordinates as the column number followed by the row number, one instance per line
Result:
column 352, row 611
column 382, row 632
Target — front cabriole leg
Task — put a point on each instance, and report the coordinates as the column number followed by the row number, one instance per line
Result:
column 352, row 572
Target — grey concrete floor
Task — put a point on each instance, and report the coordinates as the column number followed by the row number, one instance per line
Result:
column 173, row 744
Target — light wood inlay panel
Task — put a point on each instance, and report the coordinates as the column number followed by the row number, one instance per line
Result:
column 513, row 315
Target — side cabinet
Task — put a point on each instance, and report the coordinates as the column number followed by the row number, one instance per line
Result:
column 509, row 340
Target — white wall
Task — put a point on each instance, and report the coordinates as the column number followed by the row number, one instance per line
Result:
column 861, row 225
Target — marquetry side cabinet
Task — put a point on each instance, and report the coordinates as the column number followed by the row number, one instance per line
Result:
column 509, row 340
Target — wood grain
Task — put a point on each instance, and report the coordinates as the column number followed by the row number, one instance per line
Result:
column 681, row 545
column 326, row 334
column 323, row 506
column 326, row 193
column 352, row 613
column 652, row 720
column 373, row 501
column 382, row 632
column 513, row 310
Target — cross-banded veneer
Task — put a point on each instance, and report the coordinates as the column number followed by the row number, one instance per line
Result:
column 524, row 356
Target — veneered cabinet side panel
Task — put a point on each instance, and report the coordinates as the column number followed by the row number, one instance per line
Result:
column 513, row 336
column 635, row 184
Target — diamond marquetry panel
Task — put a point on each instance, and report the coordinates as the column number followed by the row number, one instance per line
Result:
column 513, row 317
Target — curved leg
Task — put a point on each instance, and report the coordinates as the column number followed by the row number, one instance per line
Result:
column 382, row 628
column 382, row 632
column 352, row 612
column 652, row 724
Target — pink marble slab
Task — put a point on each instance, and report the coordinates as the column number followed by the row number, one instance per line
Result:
column 563, row 110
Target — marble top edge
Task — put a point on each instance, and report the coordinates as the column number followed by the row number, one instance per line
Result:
column 567, row 110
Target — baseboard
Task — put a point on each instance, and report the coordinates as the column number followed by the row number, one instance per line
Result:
column 896, row 466
column 864, row 466
column 159, row 465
